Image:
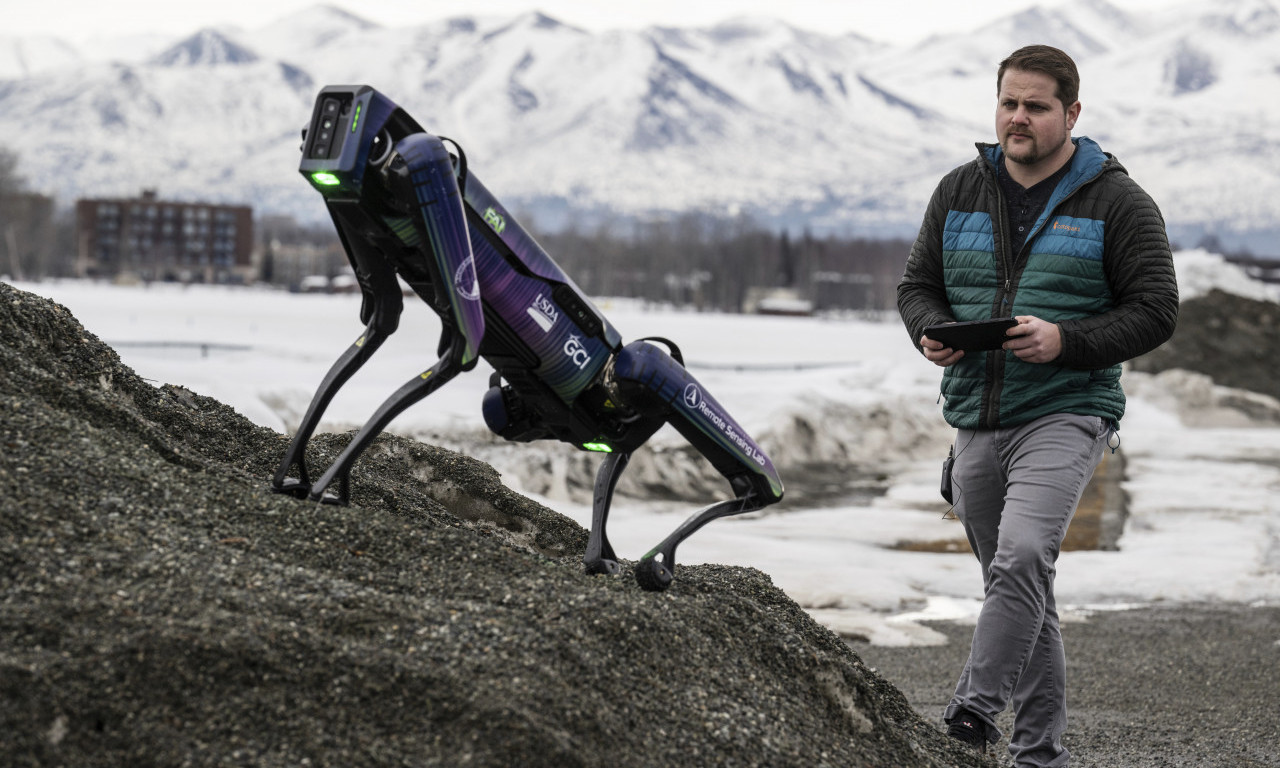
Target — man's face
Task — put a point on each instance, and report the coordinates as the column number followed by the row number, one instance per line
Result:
column 1032, row 125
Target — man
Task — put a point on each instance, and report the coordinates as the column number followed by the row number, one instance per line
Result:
column 1051, row 231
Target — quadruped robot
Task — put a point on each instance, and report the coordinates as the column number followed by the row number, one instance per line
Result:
column 406, row 208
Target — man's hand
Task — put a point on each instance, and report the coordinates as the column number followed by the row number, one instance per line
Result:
column 1034, row 340
column 938, row 354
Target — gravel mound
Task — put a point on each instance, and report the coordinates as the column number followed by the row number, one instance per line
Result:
column 1229, row 337
column 160, row 607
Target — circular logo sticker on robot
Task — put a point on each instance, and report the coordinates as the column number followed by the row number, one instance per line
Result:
column 692, row 396
column 464, row 280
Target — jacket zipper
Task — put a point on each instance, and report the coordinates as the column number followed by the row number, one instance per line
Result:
column 990, row 415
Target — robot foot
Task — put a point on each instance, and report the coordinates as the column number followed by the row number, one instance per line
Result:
column 603, row 566
column 293, row 487
column 653, row 575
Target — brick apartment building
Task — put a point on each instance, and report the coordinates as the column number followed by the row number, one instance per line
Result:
column 146, row 238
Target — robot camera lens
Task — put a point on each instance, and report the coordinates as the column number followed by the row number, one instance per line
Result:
column 380, row 147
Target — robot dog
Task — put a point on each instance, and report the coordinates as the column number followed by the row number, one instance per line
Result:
column 406, row 208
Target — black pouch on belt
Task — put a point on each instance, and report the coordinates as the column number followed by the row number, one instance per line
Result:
column 946, row 475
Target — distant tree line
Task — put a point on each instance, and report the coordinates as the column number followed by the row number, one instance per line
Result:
column 691, row 260
column 35, row 240
column 714, row 263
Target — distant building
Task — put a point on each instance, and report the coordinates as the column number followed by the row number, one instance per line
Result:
column 305, row 258
column 146, row 238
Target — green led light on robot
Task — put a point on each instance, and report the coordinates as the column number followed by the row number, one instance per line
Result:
column 598, row 447
column 326, row 179
column 356, row 120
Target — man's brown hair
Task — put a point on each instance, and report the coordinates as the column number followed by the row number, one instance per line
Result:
column 1046, row 60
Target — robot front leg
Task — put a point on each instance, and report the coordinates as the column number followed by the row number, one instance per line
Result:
column 351, row 360
column 380, row 309
column 411, row 392
column 382, row 324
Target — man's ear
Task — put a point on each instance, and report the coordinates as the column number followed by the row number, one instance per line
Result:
column 1073, row 114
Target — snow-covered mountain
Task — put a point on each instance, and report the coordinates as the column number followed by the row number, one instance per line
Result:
column 834, row 132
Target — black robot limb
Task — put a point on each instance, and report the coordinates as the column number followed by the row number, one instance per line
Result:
column 380, row 310
column 657, row 385
column 599, row 557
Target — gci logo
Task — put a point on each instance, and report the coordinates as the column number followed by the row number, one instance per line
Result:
column 576, row 352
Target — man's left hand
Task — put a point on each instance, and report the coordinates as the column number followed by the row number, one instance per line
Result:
column 1034, row 340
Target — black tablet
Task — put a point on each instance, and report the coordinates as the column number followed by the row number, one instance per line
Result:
column 972, row 336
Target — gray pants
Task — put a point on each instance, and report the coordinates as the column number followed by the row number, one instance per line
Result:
column 1017, row 491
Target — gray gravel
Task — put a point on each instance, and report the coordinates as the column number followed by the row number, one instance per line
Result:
column 160, row 607
column 1189, row 685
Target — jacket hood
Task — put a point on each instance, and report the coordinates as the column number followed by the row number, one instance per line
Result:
column 1088, row 161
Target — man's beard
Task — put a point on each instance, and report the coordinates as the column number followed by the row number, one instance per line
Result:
column 1031, row 153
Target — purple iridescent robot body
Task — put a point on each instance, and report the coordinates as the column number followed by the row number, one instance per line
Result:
column 407, row 209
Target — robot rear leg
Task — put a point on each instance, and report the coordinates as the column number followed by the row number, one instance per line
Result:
column 650, row 381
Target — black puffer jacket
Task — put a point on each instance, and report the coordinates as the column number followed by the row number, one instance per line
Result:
column 1097, row 263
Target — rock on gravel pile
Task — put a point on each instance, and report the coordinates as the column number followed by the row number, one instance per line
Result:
column 160, row 607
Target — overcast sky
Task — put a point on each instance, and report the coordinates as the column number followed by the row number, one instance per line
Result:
column 896, row 21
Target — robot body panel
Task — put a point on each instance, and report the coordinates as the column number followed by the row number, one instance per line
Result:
column 527, row 256
column 568, row 357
